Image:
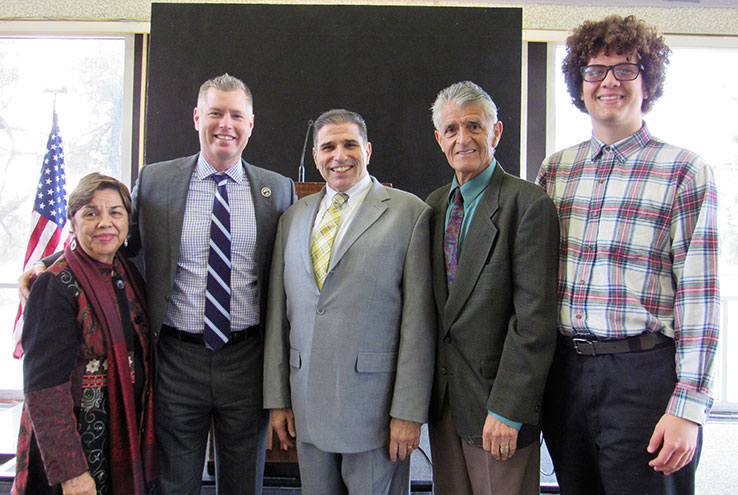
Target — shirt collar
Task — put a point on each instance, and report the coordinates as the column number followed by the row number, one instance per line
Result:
column 205, row 170
column 623, row 148
column 354, row 192
column 473, row 188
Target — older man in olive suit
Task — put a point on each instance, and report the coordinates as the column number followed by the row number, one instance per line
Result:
column 495, row 259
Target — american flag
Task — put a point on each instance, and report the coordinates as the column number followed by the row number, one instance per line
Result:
column 48, row 217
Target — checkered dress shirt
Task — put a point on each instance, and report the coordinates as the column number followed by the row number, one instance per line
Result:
column 639, row 251
column 187, row 301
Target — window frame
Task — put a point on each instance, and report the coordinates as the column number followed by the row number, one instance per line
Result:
column 84, row 30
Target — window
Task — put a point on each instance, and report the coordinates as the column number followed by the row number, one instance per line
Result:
column 89, row 72
column 697, row 111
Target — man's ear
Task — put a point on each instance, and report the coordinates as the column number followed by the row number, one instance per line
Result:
column 438, row 139
column 497, row 133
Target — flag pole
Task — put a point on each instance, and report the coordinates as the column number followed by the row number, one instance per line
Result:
column 56, row 91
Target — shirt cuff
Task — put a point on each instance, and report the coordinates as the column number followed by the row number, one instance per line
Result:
column 688, row 404
column 511, row 424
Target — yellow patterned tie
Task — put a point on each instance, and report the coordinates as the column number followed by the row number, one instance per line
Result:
column 321, row 250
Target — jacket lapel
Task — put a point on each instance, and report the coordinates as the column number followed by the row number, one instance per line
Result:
column 373, row 206
column 262, row 199
column 303, row 222
column 178, row 187
column 440, row 285
column 477, row 246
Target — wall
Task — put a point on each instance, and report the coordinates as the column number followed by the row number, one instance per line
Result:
column 676, row 20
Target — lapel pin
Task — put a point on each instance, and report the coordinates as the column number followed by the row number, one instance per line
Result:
column 266, row 192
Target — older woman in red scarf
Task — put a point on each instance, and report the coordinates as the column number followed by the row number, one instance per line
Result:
column 87, row 425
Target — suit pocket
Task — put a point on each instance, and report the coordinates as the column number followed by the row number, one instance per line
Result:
column 295, row 359
column 376, row 362
column 488, row 367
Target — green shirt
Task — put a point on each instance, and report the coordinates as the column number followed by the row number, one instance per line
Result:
column 472, row 193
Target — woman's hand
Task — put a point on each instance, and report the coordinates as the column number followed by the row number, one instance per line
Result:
column 81, row 485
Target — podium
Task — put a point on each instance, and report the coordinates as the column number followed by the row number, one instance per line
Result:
column 307, row 188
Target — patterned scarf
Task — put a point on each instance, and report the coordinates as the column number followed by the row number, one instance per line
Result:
column 133, row 462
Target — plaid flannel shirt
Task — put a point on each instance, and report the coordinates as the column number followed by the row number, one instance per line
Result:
column 639, row 251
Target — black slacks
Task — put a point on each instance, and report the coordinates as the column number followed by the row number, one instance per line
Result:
column 197, row 387
column 599, row 414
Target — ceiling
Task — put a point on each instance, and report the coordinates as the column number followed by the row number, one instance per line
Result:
column 633, row 3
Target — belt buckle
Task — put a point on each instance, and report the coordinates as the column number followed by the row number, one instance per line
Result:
column 583, row 347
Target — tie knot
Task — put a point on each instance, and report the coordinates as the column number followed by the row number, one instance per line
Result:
column 339, row 199
column 221, row 179
column 458, row 198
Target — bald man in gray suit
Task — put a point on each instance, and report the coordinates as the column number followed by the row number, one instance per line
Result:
column 349, row 348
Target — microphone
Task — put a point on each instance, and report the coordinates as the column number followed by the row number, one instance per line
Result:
column 301, row 168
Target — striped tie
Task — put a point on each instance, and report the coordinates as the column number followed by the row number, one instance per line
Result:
column 451, row 240
column 321, row 250
column 217, row 329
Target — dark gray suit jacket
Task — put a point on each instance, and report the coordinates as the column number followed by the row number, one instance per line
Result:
column 159, row 199
column 497, row 325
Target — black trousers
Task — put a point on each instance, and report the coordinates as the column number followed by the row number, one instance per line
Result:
column 598, row 417
column 196, row 387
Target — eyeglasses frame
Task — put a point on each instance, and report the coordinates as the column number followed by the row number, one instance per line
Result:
column 608, row 68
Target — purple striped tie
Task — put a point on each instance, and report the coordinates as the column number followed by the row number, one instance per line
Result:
column 217, row 329
column 451, row 240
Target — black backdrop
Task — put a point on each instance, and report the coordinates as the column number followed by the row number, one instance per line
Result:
column 386, row 63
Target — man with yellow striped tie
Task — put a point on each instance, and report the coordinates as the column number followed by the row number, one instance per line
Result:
column 349, row 346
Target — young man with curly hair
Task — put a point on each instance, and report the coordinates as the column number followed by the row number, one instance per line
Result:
column 638, row 286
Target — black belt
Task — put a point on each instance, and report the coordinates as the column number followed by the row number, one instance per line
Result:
column 196, row 338
column 643, row 342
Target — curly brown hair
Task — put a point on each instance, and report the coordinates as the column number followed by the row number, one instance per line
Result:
column 623, row 36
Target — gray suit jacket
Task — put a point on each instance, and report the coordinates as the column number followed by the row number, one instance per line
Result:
column 497, row 325
column 349, row 357
column 159, row 199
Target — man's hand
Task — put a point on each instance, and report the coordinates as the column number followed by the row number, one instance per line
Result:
column 499, row 439
column 26, row 280
column 404, row 437
column 679, row 438
column 81, row 485
column 283, row 422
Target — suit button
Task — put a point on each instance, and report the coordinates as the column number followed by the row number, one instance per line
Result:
column 447, row 339
column 444, row 371
column 320, row 311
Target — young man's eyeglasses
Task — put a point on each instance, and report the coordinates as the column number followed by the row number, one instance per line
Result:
column 622, row 72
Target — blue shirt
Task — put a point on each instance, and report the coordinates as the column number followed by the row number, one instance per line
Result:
column 472, row 193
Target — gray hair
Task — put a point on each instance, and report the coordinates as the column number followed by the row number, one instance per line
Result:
column 461, row 94
column 339, row 116
column 225, row 82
